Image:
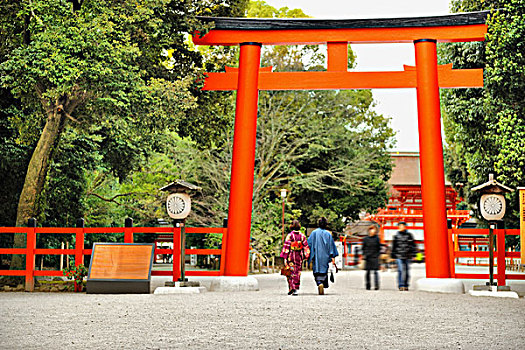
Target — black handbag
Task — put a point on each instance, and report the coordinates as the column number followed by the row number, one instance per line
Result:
column 332, row 279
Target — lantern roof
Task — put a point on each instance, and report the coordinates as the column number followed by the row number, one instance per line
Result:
column 492, row 186
column 180, row 186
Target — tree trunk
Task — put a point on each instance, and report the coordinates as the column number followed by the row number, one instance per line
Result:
column 35, row 178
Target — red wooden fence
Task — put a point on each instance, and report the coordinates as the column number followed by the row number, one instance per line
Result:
column 30, row 251
column 500, row 254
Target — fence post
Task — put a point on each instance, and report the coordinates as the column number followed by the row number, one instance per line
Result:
column 222, row 265
column 79, row 248
column 61, row 256
column 182, row 227
column 501, row 257
column 128, row 230
column 176, row 253
column 452, row 238
column 30, row 254
column 79, row 242
column 452, row 243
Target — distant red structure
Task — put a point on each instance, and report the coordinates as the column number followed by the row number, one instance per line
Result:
column 406, row 184
column 406, row 202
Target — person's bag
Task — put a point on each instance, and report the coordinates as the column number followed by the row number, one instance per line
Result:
column 286, row 271
column 362, row 264
column 332, row 279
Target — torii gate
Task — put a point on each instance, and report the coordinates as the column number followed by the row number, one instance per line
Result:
column 427, row 77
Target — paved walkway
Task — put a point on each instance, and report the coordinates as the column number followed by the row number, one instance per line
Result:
column 347, row 318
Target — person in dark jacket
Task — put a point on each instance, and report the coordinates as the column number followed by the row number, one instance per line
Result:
column 403, row 250
column 371, row 251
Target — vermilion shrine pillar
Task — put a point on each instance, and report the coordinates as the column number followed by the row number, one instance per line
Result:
column 431, row 160
column 243, row 161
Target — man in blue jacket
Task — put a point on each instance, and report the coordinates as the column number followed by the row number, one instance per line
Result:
column 322, row 251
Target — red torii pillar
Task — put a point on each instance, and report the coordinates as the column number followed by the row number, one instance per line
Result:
column 243, row 162
column 431, row 160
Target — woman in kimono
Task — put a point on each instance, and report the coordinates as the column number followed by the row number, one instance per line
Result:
column 295, row 251
column 322, row 251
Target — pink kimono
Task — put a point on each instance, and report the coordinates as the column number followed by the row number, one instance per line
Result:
column 295, row 251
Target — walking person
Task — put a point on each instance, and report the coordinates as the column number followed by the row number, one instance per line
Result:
column 322, row 252
column 371, row 251
column 384, row 257
column 403, row 250
column 295, row 251
column 356, row 255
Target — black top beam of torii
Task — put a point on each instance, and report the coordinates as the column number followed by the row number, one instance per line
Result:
column 235, row 23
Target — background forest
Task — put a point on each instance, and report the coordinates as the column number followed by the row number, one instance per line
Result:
column 101, row 106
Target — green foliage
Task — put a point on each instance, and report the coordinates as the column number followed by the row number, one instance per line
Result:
column 135, row 120
column 327, row 147
column 261, row 9
column 485, row 129
column 139, row 197
column 63, row 193
column 13, row 161
column 118, row 73
column 76, row 273
column 505, row 96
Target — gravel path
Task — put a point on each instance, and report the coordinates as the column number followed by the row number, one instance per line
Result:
column 347, row 318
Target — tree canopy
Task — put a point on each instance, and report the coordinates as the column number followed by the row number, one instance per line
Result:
column 485, row 128
column 89, row 85
column 103, row 107
column 328, row 148
column 105, row 70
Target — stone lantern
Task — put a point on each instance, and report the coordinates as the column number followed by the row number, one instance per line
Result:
column 178, row 207
column 492, row 207
column 492, row 203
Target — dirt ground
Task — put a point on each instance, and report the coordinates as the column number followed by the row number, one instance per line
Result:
column 348, row 317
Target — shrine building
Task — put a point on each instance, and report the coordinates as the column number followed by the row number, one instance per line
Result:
column 405, row 202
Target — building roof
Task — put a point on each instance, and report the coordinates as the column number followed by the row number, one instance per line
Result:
column 235, row 23
column 406, row 170
column 359, row 229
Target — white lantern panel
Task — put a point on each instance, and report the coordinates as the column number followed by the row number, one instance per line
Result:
column 178, row 205
column 492, row 206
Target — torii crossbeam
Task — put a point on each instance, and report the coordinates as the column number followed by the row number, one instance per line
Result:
column 427, row 77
